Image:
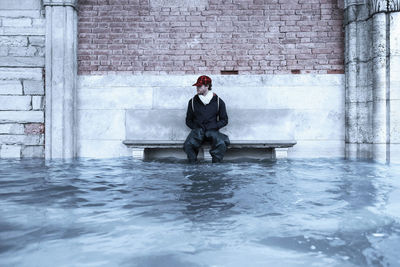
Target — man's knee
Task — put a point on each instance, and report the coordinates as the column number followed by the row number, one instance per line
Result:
column 215, row 137
column 211, row 135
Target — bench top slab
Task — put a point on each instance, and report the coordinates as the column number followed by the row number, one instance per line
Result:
column 234, row 143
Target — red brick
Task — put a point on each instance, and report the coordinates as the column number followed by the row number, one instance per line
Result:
column 34, row 128
column 279, row 35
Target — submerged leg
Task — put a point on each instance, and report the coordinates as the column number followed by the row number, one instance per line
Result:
column 193, row 143
column 218, row 146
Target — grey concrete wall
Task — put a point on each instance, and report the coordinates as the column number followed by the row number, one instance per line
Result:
column 316, row 105
column 22, row 41
column 247, row 124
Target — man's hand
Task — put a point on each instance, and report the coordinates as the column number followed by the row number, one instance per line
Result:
column 200, row 125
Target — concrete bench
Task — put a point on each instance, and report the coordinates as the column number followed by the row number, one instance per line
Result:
column 279, row 147
column 261, row 134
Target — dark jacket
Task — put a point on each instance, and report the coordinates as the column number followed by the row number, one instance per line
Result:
column 205, row 116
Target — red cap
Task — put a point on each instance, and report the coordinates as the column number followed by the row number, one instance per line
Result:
column 203, row 80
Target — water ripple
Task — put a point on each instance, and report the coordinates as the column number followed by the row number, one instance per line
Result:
column 118, row 212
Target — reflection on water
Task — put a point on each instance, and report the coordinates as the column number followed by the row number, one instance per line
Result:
column 121, row 212
column 208, row 193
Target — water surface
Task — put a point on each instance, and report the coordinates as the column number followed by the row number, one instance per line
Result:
column 120, row 212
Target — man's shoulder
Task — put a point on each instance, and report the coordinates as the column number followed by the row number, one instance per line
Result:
column 217, row 97
column 194, row 97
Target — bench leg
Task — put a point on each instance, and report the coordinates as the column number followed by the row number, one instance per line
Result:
column 138, row 153
column 281, row 153
column 206, row 154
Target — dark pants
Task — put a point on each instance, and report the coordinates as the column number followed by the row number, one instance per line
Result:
column 195, row 139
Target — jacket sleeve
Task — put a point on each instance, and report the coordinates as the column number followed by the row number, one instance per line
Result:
column 190, row 116
column 223, row 116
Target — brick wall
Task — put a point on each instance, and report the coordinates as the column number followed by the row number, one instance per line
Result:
column 22, row 52
column 250, row 36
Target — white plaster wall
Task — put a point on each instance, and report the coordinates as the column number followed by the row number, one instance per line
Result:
column 316, row 101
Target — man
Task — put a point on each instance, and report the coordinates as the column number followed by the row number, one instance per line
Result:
column 206, row 114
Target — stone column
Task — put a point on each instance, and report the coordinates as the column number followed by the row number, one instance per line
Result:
column 61, row 74
column 372, row 83
column 379, row 85
column 357, row 68
column 393, row 103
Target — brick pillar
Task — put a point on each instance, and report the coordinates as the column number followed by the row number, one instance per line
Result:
column 61, row 73
column 372, row 87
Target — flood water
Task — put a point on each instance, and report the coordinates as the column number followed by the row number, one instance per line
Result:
column 121, row 212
